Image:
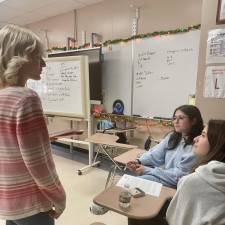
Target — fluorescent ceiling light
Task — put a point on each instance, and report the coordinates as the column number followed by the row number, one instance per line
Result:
column 2, row 1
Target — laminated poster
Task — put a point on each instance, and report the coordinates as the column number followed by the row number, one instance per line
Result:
column 214, row 82
column 215, row 52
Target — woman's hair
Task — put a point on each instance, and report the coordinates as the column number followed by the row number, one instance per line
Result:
column 16, row 46
column 216, row 139
column 193, row 113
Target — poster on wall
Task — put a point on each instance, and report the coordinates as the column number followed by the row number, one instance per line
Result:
column 214, row 82
column 215, row 52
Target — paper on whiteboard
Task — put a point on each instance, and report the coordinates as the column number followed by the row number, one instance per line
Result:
column 215, row 52
column 214, row 82
column 149, row 187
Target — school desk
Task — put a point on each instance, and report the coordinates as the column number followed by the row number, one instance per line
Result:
column 122, row 161
column 142, row 208
column 105, row 143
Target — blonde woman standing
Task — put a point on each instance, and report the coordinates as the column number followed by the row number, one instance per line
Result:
column 30, row 190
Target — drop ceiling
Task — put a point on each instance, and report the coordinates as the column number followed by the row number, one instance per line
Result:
column 24, row 12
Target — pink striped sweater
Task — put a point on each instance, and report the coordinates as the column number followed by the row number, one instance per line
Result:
column 29, row 183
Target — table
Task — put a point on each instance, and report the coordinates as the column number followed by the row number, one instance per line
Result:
column 141, row 209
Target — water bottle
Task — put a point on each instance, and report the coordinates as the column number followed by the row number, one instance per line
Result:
column 125, row 197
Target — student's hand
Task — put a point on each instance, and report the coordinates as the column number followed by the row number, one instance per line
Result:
column 53, row 214
column 139, row 169
column 132, row 165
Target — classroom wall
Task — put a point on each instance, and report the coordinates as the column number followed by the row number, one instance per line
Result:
column 210, row 107
column 113, row 18
column 58, row 29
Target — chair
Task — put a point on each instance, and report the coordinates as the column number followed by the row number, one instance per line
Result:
column 124, row 158
column 105, row 143
column 121, row 162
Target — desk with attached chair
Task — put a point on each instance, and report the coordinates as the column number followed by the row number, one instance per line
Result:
column 105, row 142
column 124, row 158
column 141, row 210
column 122, row 161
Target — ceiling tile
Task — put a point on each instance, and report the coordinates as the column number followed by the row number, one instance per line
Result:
column 23, row 12
column 27, row 5
column 27, row 18
column 89, row 2
column 59, row 7
column 7, row 12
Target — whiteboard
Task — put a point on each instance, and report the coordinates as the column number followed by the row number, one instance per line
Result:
column 165, row 73
column 64, row 86
column 117, row 76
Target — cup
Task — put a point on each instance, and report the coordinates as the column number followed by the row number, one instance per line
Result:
column 125, row 199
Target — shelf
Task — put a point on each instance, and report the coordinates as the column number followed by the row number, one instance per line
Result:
column 74, row 141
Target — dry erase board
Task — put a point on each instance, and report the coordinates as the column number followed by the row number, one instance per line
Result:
column 117, row 74
column 165, row 73
column 63, row 87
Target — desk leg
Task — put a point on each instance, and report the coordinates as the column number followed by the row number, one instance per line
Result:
column 92, row 162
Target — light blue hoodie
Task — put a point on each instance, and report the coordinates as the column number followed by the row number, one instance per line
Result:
column 168, row 166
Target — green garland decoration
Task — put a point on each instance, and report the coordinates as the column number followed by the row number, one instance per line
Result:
column 131, row 119
column 153, row 34
column 138, row 36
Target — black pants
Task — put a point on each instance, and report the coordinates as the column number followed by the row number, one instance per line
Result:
column 38, row 219
column 160, row 219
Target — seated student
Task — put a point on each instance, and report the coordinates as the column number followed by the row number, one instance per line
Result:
column 200, row 197
column 172, row 158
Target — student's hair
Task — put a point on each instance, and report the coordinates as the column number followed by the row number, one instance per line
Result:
column 216, row 139
column 193, row 113
column 16, row 46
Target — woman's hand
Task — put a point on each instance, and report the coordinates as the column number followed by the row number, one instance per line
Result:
column 139, row 169
column 132, row 165
column 136, row 167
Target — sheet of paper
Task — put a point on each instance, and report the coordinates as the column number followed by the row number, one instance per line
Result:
column 215, row 52
column 214, row 86
column 149, row 187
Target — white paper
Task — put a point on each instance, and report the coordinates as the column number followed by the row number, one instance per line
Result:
column 149, row 187
column 215, row 52
column 214, row 86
